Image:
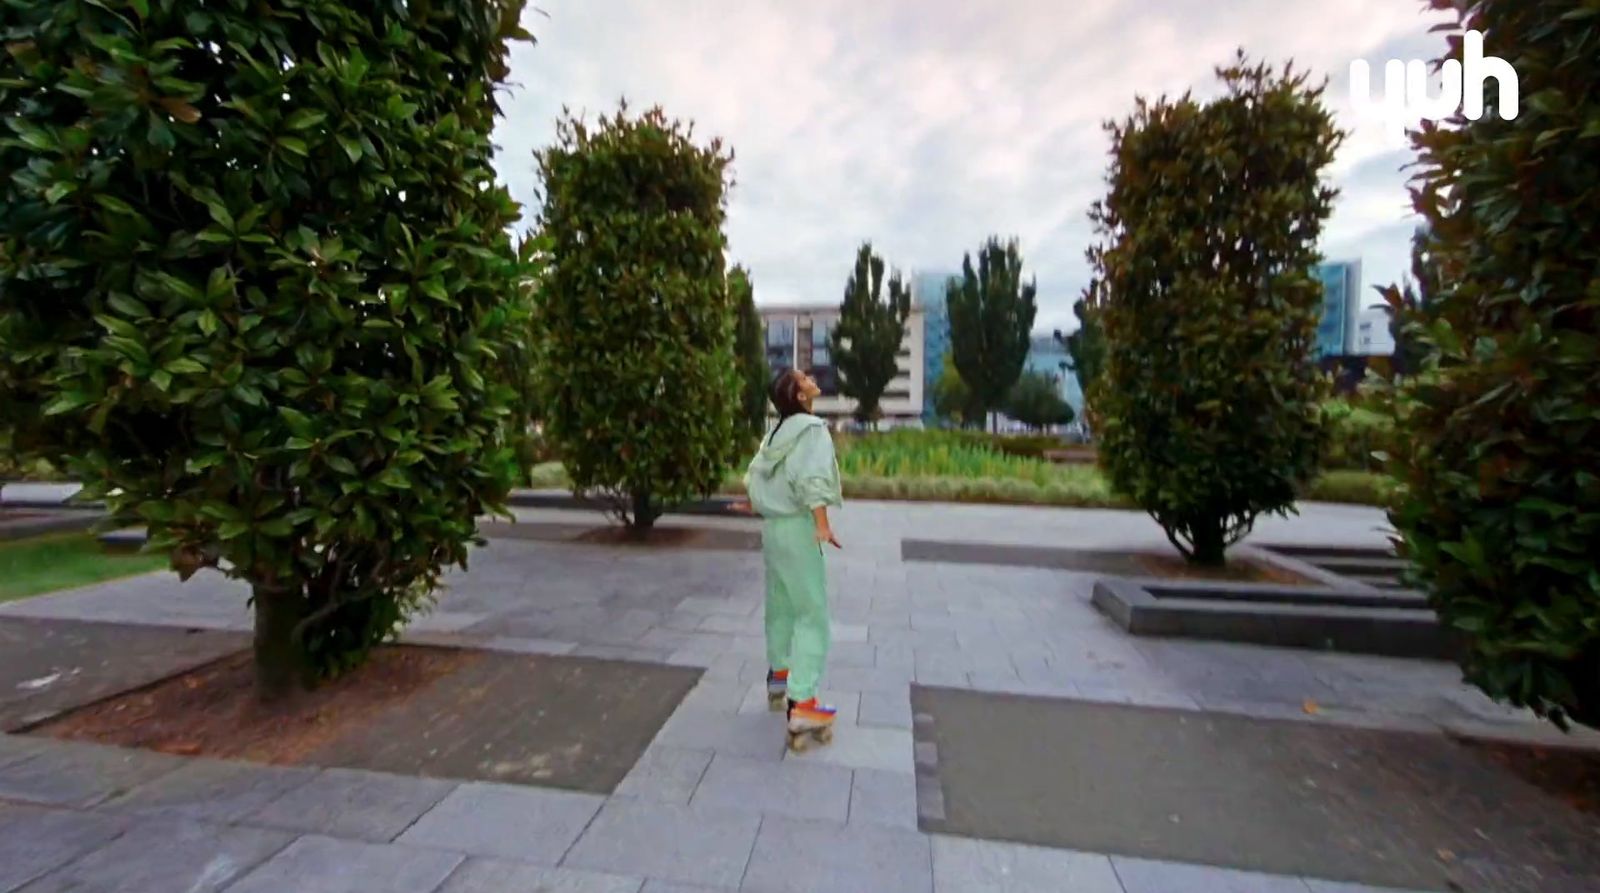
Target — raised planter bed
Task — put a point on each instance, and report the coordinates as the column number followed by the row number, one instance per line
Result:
column 1356, row 620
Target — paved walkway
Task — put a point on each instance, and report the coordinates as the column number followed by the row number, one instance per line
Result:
column 715, row 803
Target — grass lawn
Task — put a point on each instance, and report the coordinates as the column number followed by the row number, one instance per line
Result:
column 61, row 561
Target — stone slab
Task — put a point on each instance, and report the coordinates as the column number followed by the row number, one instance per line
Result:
column 35, row 839
column 164, row 856
column 788, row 788
column 529, row 824
column 1269, row 796
column 214, row 790
column 72, row 774
column 674, row 843
column 961, row 864
column 479, row 875
column 855, row 859
column 326, row 865
column 353, row 804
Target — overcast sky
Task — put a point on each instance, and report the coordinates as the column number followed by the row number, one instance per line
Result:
column 925, row 126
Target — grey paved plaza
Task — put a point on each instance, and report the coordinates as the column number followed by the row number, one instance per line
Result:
column 715, row 803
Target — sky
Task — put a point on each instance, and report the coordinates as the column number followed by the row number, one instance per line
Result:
column 927, row 126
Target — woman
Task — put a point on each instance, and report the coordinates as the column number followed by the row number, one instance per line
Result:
column 791, row 483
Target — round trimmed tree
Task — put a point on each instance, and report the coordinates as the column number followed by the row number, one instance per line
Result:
column 1498, row 446
column 256, row 292
column 1208, row 404
column 637, row 381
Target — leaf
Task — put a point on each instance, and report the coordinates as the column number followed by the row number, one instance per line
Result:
column 185, row 366
column 141, row 8
column 67, row 402
column 127, row 305
column 179, row 109
column 352, row 147
column 341, row 464
column 306, row 118
column 115, row 205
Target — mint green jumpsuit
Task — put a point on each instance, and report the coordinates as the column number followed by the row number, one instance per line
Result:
column 795, row 472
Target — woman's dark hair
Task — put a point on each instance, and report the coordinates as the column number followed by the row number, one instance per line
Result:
column 785, row 394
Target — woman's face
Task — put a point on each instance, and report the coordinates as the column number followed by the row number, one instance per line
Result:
column 808, row 387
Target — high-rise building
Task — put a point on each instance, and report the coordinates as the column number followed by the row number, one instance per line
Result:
column 1048, row 356
column 928, row 293
column 800, row 337
column 1341, row 299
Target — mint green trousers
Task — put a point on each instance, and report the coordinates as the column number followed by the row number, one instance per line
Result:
column 797, row 602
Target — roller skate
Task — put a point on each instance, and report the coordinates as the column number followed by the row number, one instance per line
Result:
column 808, row 722
column 777, row 689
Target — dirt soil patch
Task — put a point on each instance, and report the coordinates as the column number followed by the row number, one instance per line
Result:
column 1237, row 570
column 577, row 723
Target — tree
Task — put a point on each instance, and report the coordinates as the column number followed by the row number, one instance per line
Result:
column 1209, row 404
column 752, row 352
column 1035, row 400
column 991, row 322
column 1087, row 344
column 256, row 292
column 1497, row 445
column 637, row 377
column 1411, row 302
column 869, row 333
column 951, row 397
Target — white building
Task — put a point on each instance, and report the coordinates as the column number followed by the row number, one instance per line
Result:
column 1371, row 337
column 798, row 336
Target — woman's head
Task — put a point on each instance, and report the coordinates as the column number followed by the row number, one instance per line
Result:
column 792, row 392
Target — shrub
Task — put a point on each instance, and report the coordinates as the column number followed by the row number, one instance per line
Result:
column 1208, row 404
column 635, row 326
column 1498, row 441
column 1355, row 436
column 255, row 288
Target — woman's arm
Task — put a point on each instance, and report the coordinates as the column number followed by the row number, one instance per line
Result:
column 824, row 529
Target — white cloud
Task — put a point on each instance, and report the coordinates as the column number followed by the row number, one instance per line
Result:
column 927, row 126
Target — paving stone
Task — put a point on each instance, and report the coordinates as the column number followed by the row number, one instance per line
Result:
column 325, row 865
column 36, row 839
column 214, row 790
column 723, row 695
column 1337, row 887
column 883, row 798
column 163, row 855
column 889, row 709
column 863, row 747
column 1150, row 876
column 854, row 858
column 757, row 735
column 852, row 654
column 68, row 773
column 961, row 864
column 675, row 843
column 787, row 788
column 352, row 803
column 883, row 679
column 16, row 748
column 947, row 677
column 666, row 774
column 849, row 633
column 659, row 886
column 481, row 875
column 526, row 823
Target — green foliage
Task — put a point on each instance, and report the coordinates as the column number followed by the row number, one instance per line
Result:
column 62, row 561
column 952, row 399
column 1352, row 486
column 1208, row 404
column 1498, row 446
column 751, row 352
column 1356, row 435
column 1087, row 344
column 869, row 332
column 255, row 289
column 1035, row 400
column 991, row 322
column 637, row 378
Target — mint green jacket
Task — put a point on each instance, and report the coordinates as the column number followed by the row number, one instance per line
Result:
column 795, row 471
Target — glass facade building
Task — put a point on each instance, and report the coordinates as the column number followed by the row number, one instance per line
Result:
column 927, row 291
column 1341, row 297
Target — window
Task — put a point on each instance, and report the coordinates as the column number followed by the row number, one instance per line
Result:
column 780, row 344
column 821, row 344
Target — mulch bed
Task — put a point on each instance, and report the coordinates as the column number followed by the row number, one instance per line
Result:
column 561, row 721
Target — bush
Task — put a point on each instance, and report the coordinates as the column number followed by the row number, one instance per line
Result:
column 1208, row 404
column 1355, row 487
column 1498, row 441
column 1356, row 436
column 256, row 292
column 635, row 326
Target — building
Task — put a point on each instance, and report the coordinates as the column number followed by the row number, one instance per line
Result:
column 1373, row 336
column 928, row 293
column 799, row 337
column 1341, row 305
column 1050, row 357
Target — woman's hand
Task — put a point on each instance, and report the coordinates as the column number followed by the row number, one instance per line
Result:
column 824, row 529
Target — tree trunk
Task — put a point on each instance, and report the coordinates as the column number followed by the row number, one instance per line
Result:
column 1208, row 543
column 279, row 661
column 644, row 514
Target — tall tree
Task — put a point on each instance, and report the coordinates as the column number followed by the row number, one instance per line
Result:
column 257, row 293
column 1035, row 400
column 1208, row 406
column 952, row 399
column 637, row 379
column 991, row 321
column 1498, row 434
column 1086, row 346
column 871, row 328
column 1410, row 304
column 752, row 352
